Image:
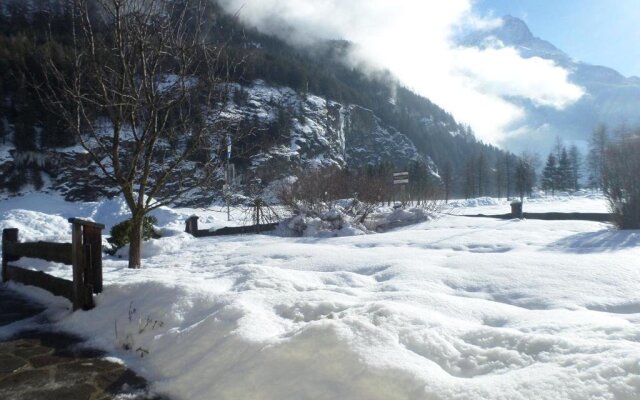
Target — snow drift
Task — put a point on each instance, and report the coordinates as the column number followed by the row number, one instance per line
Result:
column 455, row 308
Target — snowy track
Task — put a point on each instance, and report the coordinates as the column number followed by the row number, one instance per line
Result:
column 457, row 308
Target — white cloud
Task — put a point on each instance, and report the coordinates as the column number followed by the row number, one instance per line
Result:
column 502, row 72
column 413, row 39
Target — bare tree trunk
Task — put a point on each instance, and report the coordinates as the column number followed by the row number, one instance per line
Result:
column 135, row 242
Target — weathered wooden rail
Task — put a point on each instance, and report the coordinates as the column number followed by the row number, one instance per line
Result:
column 551, row 216
column 84, row 254
column 192, row 228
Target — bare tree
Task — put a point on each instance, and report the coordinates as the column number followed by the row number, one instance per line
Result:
column 508, row 171
column 576, row 167
column 621, row 181
column 597, row 156
column 447, row 180
column 501, row 177
column 140, row 98
column 470, row 177
column 482, row 170
column 525, row 173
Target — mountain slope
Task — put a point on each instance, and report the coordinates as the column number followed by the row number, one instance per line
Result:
column 312, row 132
column 304, row 108
column 610, row 99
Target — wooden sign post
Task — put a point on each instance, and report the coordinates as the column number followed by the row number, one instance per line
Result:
column 402, row 179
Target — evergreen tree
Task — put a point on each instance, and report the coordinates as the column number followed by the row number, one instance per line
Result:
column 565, row 171
column 550, row 174
column 557, row 148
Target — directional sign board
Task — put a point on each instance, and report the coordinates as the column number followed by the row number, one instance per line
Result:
column 401, row 178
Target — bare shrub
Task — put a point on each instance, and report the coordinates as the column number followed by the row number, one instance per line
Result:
column 316, row 192
column 621, row 180
column 313, row 192
column 356, row 193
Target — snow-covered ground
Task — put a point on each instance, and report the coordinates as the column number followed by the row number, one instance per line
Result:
column 454, row 308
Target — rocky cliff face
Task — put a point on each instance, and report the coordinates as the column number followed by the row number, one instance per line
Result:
column 292, row 132
column 316, row 133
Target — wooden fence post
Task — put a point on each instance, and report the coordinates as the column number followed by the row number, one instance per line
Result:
column 92, row 240
column 192, row 225
column 516, row 210
column 9, row 235
column 77, row 260
column 86, row 256
column 89, row 275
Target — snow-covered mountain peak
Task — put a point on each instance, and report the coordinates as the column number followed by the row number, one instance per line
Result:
column 611, row 98
column 514, row 32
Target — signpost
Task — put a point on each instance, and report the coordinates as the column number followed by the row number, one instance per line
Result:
column 401, row 179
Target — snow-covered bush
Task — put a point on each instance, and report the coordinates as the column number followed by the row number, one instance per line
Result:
column 337, row 202
column 334, row 222
column 387, row 218
column 120, row 232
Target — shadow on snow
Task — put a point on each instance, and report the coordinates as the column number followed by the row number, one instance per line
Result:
column 598, row 242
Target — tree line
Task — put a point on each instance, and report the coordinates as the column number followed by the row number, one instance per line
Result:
column 563, row 169
column 503, row 175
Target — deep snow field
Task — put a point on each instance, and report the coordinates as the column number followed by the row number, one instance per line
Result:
column 453, row 308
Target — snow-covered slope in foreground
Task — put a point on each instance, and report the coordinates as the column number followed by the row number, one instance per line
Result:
column 458, row 308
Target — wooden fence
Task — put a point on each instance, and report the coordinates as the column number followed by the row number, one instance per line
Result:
column 84, row 254
column 551, row 216
column 192, row 228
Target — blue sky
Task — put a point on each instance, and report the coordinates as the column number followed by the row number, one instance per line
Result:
column 604, row 32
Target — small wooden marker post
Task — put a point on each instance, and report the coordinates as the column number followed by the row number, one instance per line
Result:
column 516, row 209
column 8, row 236
column 192, row 225
column 86, row 258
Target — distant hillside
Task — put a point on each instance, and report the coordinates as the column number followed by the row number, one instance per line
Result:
column 306, row 107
